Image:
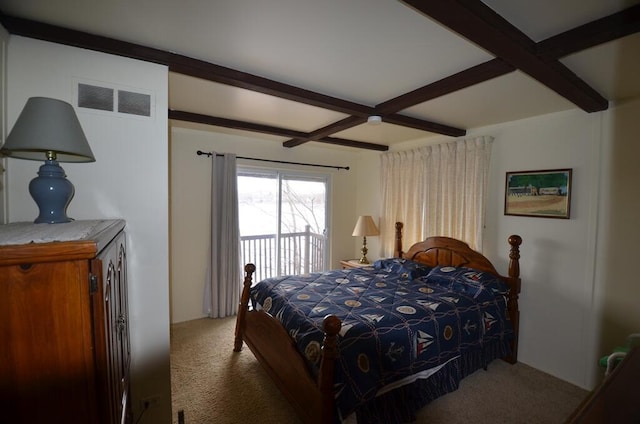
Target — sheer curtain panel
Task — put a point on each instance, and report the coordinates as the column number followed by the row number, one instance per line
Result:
column 436, row 190
column 224, row 273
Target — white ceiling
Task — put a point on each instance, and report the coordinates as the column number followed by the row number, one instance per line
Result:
column 363, row 51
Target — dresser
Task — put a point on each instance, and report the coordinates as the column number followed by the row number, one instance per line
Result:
column 64, row 330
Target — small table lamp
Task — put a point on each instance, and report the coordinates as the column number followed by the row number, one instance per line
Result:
column 365, row 227
column 49, row 129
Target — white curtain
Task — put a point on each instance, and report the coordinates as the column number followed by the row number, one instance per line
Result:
column 437, row 190
column 224, row 273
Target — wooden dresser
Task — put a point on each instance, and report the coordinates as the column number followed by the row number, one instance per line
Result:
column 64, row 331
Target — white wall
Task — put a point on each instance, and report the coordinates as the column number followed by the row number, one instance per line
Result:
column 129, row 180
column 617, row 290
column 557, row 255
column 579, row 297
column 191, row 194
column 368, row 197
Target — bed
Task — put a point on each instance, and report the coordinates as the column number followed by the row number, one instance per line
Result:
column 380, row 342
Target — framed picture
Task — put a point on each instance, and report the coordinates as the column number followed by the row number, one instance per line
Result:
column 545, row 194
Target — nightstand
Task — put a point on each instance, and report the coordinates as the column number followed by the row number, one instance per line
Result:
column 353, row 263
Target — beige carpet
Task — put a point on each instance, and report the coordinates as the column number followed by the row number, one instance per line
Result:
column 212, row 384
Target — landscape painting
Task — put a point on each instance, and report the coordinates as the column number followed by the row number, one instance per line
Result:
column 545, row 193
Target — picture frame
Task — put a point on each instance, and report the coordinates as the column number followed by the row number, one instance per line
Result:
column 543, row 193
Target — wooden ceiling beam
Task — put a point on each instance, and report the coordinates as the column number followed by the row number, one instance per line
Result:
column 216, row 121
column 333, row 128
column 480, row 25
column 357, row 144
column 407, row 121
column 609, row 28
column 394, row 118
column 471, row 76
column 211, row 72
column 69, row 37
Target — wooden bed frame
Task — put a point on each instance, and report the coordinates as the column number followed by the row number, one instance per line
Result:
column 313, row 398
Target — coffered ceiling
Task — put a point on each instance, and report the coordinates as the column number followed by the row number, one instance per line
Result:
column 293, row 72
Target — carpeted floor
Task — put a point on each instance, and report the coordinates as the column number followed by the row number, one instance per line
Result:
column 212, row 384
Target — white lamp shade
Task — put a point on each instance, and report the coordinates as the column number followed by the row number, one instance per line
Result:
column 365, row 227
column 48, row 125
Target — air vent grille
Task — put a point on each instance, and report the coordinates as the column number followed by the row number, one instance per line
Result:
column 134, row 103
column 94, row 97
column 114, row 99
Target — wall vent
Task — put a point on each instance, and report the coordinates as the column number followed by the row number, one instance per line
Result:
column 114, row 100
column 94, row 97
column 134, row 103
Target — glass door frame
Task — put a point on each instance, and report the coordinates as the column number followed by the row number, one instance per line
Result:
column 280, row 175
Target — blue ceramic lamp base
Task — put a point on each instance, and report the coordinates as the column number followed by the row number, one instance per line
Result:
column 52, row 192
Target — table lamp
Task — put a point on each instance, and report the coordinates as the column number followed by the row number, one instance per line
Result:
column 48, row 129
column 365, row 227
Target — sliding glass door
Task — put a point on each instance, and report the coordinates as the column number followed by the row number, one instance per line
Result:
column 283, row 221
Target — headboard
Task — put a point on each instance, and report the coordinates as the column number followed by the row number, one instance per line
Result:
column 448, row 251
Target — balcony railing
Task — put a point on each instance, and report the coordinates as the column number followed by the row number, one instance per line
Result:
column 300, row 253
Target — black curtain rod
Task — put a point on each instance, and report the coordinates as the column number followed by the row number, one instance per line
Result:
column 201, row 153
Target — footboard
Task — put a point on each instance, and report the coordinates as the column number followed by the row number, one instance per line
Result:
column 275, row 350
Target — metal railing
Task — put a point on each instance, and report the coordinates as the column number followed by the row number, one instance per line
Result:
column 300, row 253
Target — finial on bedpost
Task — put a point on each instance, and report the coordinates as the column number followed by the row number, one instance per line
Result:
column 397, row 250
column 331, row 326
column 249, row 269
column 514, row 256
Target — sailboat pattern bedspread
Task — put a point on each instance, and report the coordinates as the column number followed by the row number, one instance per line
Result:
column 400, row 321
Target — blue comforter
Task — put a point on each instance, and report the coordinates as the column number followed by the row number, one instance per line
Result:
column 397, row 326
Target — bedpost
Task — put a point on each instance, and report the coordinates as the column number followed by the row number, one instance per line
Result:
column 514, row 256
column 331, row 326
column 249, row 269
column 397, row 250
column 514, row 312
